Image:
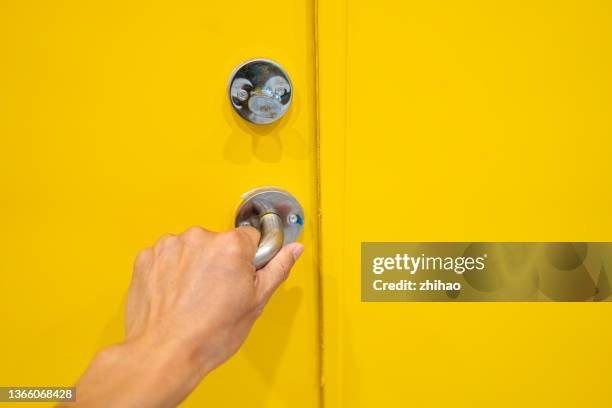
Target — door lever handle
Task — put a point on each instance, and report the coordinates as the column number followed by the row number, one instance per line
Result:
column 276, row 214
column 271, row 240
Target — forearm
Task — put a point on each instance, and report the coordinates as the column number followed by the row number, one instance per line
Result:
column 139, row 374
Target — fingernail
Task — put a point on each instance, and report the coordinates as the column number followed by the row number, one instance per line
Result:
column 297, row 251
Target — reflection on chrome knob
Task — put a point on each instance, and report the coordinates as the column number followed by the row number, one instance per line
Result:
column 260, row 91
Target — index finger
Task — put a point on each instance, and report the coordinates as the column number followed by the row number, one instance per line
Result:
column 252, row 234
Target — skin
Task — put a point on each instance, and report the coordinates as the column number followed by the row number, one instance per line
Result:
column 192, row 302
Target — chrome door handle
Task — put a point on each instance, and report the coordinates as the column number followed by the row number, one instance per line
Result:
column 260, row 91
column 276, row 214
column 271, row 241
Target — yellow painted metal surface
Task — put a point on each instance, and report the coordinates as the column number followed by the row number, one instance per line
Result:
column 115, row 128
column 463, row 121
column 437, row 121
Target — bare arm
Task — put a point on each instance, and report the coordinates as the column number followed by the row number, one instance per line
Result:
column 191, row 304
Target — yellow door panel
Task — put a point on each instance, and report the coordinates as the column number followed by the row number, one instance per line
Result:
column 463, row 121
column 115, row 127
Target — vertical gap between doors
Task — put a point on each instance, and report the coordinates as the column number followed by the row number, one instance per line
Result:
column 321, row 386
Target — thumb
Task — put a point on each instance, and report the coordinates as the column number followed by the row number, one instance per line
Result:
column 277, row 270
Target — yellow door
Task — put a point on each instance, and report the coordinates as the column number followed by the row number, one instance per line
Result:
column 437, row 121
column 463, row 121
column 115, row 127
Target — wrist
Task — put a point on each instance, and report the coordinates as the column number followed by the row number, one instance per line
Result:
column 139, row 372
column 166, row 370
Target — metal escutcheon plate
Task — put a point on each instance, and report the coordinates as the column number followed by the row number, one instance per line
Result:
column 260, row 91
column 272, row 199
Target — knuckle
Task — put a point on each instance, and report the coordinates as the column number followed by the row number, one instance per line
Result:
column 248, row 230
column 233, row 242
column 164, row 240
column 194, row 235
column 143, row 258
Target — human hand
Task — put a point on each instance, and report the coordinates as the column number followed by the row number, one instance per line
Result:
column 191, row 304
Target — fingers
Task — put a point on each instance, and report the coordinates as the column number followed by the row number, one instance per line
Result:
column 251, row 236
column 196, row 236
column 143, row 259
column 164, row 245
column 277, row 270
column 251, row 233
column 233, row 249
column 165, row 248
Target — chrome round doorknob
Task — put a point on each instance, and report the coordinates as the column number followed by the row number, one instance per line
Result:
column 276, row 214
column 260, row 91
